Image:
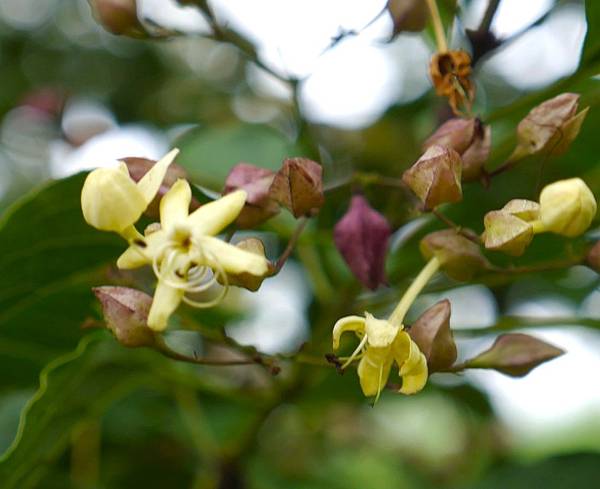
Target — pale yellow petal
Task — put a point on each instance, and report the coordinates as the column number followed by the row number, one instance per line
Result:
column 414, row 357
column 401, row 348
column 218, row 254
column 348, row 323
column 373, row 370
column 215, row 216
column 380, row 333
column 152, row 180
column 415, row 380
column 142, row 252
column 175, row 204
column 166, row 300
column 110, row 200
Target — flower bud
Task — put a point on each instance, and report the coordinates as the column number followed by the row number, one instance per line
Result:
column 298, row 186
column 126, row 314
column 432, row 334
column 460, row 258
column 407, row 15
column 550, row 127
column 435, row 177
column 256, row 181
column 469, row 138
column 567, row 207
column 247, row 280
column 362, row 238
column 117, row 16
column 592, row 259
column 515, row 354
column 450, row 74
column 524, row 209
column 507, row 233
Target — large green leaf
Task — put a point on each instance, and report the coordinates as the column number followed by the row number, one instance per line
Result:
column 77, row 386
column 49, row 259
column 209, row 153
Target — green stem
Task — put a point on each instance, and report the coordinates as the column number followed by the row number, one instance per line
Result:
column 438, row 27
column 397, row 316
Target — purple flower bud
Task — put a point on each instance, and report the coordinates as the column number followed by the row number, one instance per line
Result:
column 138, row 167
column 432, row 334
column 515, row 354
column 126, row 314
column 256, row 181
column 362, row 237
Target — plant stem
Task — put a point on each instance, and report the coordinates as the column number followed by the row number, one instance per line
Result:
column 438, row 27
column 414, row 290
column 291, row 245
column 451, row 224
column 488, row 16
column 163, row 348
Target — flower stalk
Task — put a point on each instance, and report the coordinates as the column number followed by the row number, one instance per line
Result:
column 438, row 27
column 425, row 275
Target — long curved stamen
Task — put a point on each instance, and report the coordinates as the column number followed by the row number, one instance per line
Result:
column 218, row 273
column 174, row 267
column 355, row 353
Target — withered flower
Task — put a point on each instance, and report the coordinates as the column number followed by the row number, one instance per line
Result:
column 450, row 74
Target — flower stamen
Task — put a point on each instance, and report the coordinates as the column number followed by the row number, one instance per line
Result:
column 355, row 353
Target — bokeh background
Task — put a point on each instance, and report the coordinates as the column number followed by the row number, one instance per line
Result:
column 74, row 97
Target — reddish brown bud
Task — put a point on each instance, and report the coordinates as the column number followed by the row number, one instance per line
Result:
column 256, row 181
column 118, row 16
column 435, row 177
column 126, row 315
column 298, row 186
column 550, row 127
column 469, row 138
column 515, row 354
column 450, row 74
column 247, row 280
column 593, row 257
column 138, row 167
column 432, row 334
column 460, row 257
column 407, row 15
column 362, row 237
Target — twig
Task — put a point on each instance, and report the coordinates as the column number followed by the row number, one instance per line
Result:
column 291, row 245
column 459, row 229
column 488, row 16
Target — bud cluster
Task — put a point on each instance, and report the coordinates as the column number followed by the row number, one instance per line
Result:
column 566, row 207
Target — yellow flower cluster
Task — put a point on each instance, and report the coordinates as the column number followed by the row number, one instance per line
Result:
column 183, row 249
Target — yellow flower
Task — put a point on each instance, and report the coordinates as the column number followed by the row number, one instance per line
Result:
column 567, row 207
column 112, row 201
column 383, row 343
column 185, row 254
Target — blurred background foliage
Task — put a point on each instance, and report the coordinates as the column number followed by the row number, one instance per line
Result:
column 99, row 416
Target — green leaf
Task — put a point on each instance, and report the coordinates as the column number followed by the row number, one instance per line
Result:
column 77, row 386
column 209, row 153
column 49, row 260
column 591, row 47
